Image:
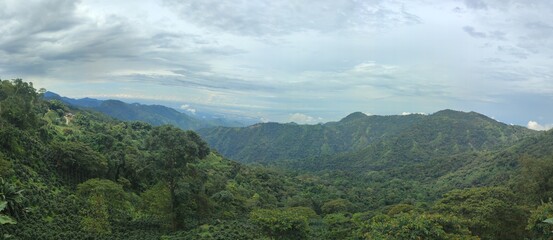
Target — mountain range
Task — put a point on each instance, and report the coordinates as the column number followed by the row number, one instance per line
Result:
column 72, row 173
column 153, row 114
column 442, row 151
column 409, row 137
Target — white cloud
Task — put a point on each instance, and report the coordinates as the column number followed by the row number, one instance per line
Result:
column 327, row 59
column 188, row 108
column 303, row 119
column 536, row 126
column 283, row 17
column 410, row 113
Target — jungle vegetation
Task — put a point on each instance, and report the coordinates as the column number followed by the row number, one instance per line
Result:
column 71, row 173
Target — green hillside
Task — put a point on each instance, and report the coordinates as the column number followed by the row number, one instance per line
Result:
column 372, row 138
column 68, row 173
column 153, row 114
column 267, row 142
column 439, row 135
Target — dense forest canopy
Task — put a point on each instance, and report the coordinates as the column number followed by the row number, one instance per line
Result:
column 69, row 173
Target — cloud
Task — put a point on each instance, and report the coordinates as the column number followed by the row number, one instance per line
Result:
column 410, row 113
column 476, row 4
column 267, row 17
column 303, row 119
column 198, row 79
column 188, row 108
column 322, row 58
column 54, row 37
column 536, row 126
column 517, row 52
column 497, row 35
column 473, row 33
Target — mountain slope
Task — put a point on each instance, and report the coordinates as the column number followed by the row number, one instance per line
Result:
column 98, row 178
column 267, row 142
column 438, row 136
column 153, row 114
column 444, row 151
column 366, row 138
column 504, row 165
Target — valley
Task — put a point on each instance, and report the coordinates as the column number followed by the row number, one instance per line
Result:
column 447, row 175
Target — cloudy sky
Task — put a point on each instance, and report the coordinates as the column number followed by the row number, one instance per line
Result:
column 291, row 60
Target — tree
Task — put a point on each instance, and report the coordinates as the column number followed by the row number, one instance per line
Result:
column 6, row 167
column 492, row 212
column 336, row 206
column 77, row 157
column 96, row 215
column 538, row 227
column 172, row 150
column 536, row 178
column 14, row 199
column 106, row 202
column 4, row 219
column 17, row 100
column 415, row 226
column 339, row 226
column 157, row 201
column 282, row 223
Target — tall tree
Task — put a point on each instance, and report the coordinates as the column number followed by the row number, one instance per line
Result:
column 492, row 212
column 173, row 149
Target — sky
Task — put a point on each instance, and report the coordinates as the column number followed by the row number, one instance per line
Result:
column 291, row 60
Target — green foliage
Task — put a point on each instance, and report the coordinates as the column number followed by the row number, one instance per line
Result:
column 17, row 104
column 364, row 139
column 416, row 226
column 96, row 215
column 6, row 167
column 173, row 149
column 492, row 212
column 539, row 222
column 233, row 229
column 267, row 142
column 103, row 194
column 77, row 157
column 4, row 219
column 281, row 223
column 336, row 206
column 153, row 114
column 400, row 208
column 339, row 225
column 157, row 202
column 13, row 198
column 100, row 178
column 536, row 179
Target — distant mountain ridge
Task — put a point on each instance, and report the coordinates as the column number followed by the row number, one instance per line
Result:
column 415, row 135
column 438, row 136
column 153, row 114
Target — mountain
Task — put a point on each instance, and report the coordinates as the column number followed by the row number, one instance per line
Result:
column 266, row 142
column 153, row 114
column 406, row 137
column 501, row 166
column 72, row 173
column 83, row 102
column 438, row 145
column 441, row 134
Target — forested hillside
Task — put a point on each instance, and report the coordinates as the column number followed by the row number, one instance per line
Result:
column 413, row 136
column 153, row 114
column 267, row 142
column 68, row 173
